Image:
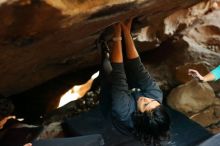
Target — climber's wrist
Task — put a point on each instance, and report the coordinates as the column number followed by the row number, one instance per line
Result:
column 118, row 38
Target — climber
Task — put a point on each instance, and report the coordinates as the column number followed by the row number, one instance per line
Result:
column 211, row 76
column 139, row 111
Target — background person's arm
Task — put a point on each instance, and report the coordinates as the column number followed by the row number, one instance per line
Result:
column 211, row 76
column 216, row 73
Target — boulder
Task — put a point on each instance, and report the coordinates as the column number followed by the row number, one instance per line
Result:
column 192, row 97
column 207, row 117
column 198, row 102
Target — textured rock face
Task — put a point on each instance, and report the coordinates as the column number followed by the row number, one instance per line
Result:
column 195, row 44
column 191, row 97
column 203, row 48
column 195, row 47
column 198, row 102
column 40, row 40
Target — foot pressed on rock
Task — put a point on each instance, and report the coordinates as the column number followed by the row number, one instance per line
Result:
column 105, row 52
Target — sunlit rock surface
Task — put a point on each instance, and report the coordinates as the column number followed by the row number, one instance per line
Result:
column 191, row 97
column 197, row 101
column 40, row 40
column 193, row 42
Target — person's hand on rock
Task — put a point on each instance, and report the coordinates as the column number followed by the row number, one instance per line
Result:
column 195, row 74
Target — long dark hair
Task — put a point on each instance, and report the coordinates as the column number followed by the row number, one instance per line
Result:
column 152, row 127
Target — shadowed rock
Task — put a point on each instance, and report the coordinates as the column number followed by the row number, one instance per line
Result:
column 40, row 40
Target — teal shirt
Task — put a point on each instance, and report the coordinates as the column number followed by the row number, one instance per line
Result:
column 216, row 72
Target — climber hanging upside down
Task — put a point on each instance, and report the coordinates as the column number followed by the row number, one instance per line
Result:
column 138, row 112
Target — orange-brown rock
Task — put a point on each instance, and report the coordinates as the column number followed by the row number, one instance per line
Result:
column 197, row 101
column 207, row 116
column 40, row 40
column 195, row 44
column 192, row 97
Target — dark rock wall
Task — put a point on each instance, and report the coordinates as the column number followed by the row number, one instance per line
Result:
column 40, row 40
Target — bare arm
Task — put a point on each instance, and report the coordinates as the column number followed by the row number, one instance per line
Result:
column 209, row 77
column 4, row 121
column 121, row 100
column 116, row 51
column 206, row 78
column 131, row 51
